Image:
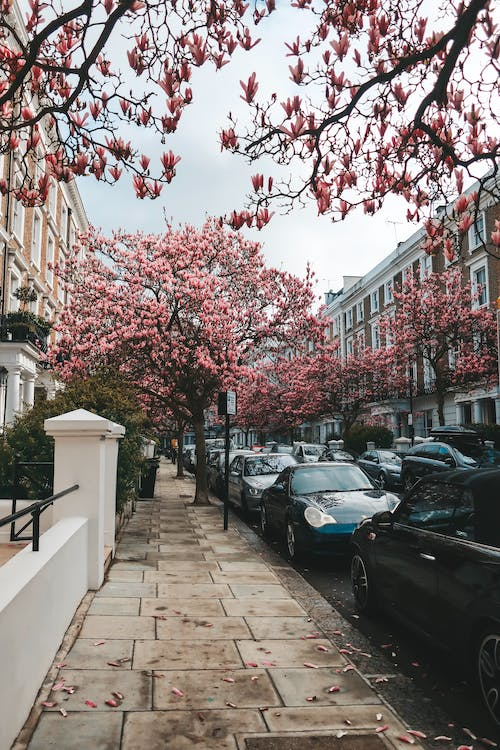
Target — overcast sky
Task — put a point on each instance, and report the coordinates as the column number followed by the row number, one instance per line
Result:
column 209, row 182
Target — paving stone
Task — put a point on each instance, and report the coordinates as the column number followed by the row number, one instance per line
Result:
column 244, row 566
column 206, row 689
column 347, row 741
column 114, row 605
column 114, row 588
column 109, row 626
column 178, row 576
column 280, row 627
column 188, row 565
column 228, row 548
column 262, row 591
column 230, row 556
column 186, row 590
column 186, row 553
column 186, row 655
column 249, row 577
column 330, row 717
column 134, row 565
column 183, row 730
column 129, row 556
column 290, row 653
column 181, row 607
column 134, row 576
column 296, row 685
column 97, row 685
column 79, row 729
column 85, row 654
column 213, row 628
column 252, row 607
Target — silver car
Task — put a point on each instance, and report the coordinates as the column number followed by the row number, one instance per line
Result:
column 249, row 476
column 307, row 453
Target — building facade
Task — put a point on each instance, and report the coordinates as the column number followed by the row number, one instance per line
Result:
column 33, row 240
column 353, row 313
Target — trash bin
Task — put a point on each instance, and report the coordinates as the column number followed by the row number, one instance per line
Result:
column 148, row 478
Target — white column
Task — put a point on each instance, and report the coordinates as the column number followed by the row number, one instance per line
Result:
column 459, row 413
column 112, row 445
column 29, row 391
column 13, row 394
column 80, row 458
column 497, row 410
column 477, row 415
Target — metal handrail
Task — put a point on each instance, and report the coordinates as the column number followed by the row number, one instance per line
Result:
column 36, row 509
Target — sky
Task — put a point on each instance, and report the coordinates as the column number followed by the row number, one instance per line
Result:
column 211, row 183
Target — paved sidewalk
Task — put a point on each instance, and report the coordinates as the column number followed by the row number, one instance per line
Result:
column 193, row 641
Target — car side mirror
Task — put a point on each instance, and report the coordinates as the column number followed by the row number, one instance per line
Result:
column 278, row 488
column 383, row 519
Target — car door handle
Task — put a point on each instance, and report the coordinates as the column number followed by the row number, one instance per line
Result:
column 426, row 556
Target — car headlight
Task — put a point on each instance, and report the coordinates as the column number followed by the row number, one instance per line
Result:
column 254, row 491
column 316, row 518
column 392, row 501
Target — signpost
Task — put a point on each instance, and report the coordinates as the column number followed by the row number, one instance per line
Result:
column 227, row 408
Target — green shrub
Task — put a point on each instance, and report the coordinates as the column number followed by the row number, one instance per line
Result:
column 104, row 394
column 360, row 435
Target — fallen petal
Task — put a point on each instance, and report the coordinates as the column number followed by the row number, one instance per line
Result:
column 469, row 733
column 416, row 733
column 311, row 666
column 201, row 716
column 381, row 679
column 58, row 685
column 111, row 702
column 231, row 705
column 254, row 678
column 62, row 665
column 91, row 704
column 405, row 738
column 340, row 734
column 118, row 695
column 48, row 704
column 99, row 643
column 345, row 651
column 348, row 668
column 125, row 659
column 333, row 689
column 252, row 664
column 178, row 692
column 322, row 648
column 383, row 728
column 268, row 663
column 487, row 742
column 379, row 717
column 227, row 679
column 337, row 632
column 113, row 664
column 63, row 712
column 442, row 738
column 311, row 698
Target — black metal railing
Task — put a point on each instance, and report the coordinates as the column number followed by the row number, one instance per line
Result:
column 22, row 326
column 43, row 485
column 36, row 509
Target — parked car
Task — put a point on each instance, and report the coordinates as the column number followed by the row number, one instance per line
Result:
column 434, row 563
column 189, row 459
column 382, row 465
column 216, row 466
column 308, row 452
column 277, row 448
column 250, row 475
column 429, row 458
column 316, row 507
column 337, row 454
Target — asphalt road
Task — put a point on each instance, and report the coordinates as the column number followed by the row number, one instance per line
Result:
column 425, row 687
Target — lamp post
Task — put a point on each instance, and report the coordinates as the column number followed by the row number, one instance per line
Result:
column 497, row 400
column 411, row 428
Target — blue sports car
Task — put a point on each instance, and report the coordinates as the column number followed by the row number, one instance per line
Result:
column 316, row 507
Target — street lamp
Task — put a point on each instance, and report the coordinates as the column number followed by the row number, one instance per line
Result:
column 411, row 428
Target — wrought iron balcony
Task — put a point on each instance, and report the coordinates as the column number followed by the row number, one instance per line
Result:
column 25, row 327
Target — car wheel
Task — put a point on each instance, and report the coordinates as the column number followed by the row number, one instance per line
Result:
column 408, row 481
column 362, row 584
column 382, row 481
column 488, row 670
column 290, row 541
column 264, row 523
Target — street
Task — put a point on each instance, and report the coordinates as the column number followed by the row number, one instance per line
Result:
column 422, row 684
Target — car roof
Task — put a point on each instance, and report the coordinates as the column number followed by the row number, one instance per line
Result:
column 474, row 479
column 455, row 430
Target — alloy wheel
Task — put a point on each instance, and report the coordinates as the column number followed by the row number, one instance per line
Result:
column 359, row 583
column 264, row 527
column 291, row 545
column 488, row 665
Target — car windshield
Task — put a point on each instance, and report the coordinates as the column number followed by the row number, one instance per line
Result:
column 389, row 458
column 269, row 464
column 345, row 478
column 479, row 455
column 313, row 450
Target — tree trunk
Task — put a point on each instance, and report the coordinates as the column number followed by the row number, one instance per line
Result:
column 180, row 444
column 201, row 492
column 440, row 405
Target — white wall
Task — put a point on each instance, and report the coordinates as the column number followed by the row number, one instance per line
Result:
column 39, row 593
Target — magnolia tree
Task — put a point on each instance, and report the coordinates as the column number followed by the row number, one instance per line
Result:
column 180, row 315
column 330, row 386
column 439, row 323
column 392, row 97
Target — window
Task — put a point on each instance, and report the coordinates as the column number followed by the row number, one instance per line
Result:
column 349, row 347
column 336, row 326
column 360, row 340
column 17, row 224
column 480, row 286
column 64, row 222
column 477, row 232
column 36, row 238
column 60, row 283
column 425, row 266
column 360, row 311
column 375, row 336
column 430, row 508
column 389, row 292
column 374, row 301
column 52, row 198
column 49, row 274
column 348, row 319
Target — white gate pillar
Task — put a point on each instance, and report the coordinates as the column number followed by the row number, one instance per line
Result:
column 81, row 457
column 111, row 447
